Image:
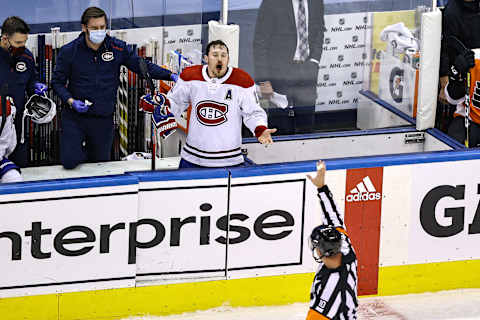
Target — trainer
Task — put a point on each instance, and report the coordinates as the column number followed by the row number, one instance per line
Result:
column 86, row 78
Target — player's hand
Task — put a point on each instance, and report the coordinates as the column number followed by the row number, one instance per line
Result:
column 319, row 179
column 164, row 121
column 40, row 88
column 174, row 77
column 266, row 89
column 441, row 95
column 79, row 106
column 148, row 102
column 266, row 136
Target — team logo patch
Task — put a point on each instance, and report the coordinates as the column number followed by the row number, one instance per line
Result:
column 211, row 113
column 107, row 56
column 21, row 66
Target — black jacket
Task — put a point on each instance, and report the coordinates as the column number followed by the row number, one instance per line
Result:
column 461, row 23
column 276, row 35
column 94, row 75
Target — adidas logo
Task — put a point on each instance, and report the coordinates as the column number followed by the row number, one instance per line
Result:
column 364, row 191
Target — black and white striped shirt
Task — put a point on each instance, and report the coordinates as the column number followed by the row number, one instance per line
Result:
column 334, row 291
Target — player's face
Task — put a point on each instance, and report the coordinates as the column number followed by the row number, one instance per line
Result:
column 15, row 41
column 217, row 61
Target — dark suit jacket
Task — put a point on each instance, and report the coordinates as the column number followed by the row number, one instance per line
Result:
column 276, row 36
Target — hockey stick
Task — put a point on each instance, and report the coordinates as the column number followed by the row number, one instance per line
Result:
column 455, row 43
column 151, row 86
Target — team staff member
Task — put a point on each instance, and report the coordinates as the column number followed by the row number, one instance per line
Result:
column 17, row 75
column 287, row 47
column 334, row 289
column 221, row 96
column 90, row 65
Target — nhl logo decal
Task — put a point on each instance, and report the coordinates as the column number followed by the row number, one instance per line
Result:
column 21, row 66
column 211, row 113
column 107, row 56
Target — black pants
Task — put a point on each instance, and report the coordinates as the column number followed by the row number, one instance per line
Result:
column 298, row 81
column 457, row 131
column 85, row 139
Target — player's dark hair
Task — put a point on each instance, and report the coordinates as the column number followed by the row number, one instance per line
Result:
column 14, row 24
column 215, row 43
column 92, row 12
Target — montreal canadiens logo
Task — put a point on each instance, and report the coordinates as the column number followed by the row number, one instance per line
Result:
column 107, row 56
column 21, row 66
column 211, row 113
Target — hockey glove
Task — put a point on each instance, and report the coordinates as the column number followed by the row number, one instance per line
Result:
column 148, row 103
column 458, row 73
column 163, row 119
column 463, row 63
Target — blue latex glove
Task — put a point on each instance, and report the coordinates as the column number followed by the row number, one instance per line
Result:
column 174, row 77
column 79, row 106
column 40, row 88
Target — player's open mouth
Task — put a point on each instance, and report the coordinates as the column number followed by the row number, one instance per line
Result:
column 219, row 67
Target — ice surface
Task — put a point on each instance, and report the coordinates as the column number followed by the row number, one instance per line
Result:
column 444, row 305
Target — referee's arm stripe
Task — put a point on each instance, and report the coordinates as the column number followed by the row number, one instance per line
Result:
column 314, row 315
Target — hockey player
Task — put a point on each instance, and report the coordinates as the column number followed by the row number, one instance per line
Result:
column 465, row 126
column 334, row 289
column 90, row 65
column 220, row 96
column 9, row 171
column 17, row 71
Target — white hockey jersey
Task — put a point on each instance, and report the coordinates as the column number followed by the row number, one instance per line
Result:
column 8, row 136
column 218, row 107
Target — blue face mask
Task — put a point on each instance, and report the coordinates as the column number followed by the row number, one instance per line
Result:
column 97, row 36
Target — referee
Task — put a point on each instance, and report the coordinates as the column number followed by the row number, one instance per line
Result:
column 334, row 290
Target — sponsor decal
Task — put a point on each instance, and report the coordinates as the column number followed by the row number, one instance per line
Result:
column 190, row 32
column 211, row 113
column 364, row 191
column 107, row 56
column 326, row 84
column 340, row 29
column 363, row 207
column 455, row 216
column 21, row 66
column 78, row 240
column 189, row 40
column 352, row 82
column 353, row 46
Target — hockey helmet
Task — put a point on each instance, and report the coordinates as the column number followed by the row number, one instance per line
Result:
column 40, row 108
column 327, row 239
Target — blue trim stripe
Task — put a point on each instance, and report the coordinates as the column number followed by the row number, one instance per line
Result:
column 67, row 184
column 358, row 162
column 335, row 134
column 454, row 144
column 183, row 174
column 387, row 106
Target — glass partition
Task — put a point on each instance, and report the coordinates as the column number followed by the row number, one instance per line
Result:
column 311, row 83
column 309, row 62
